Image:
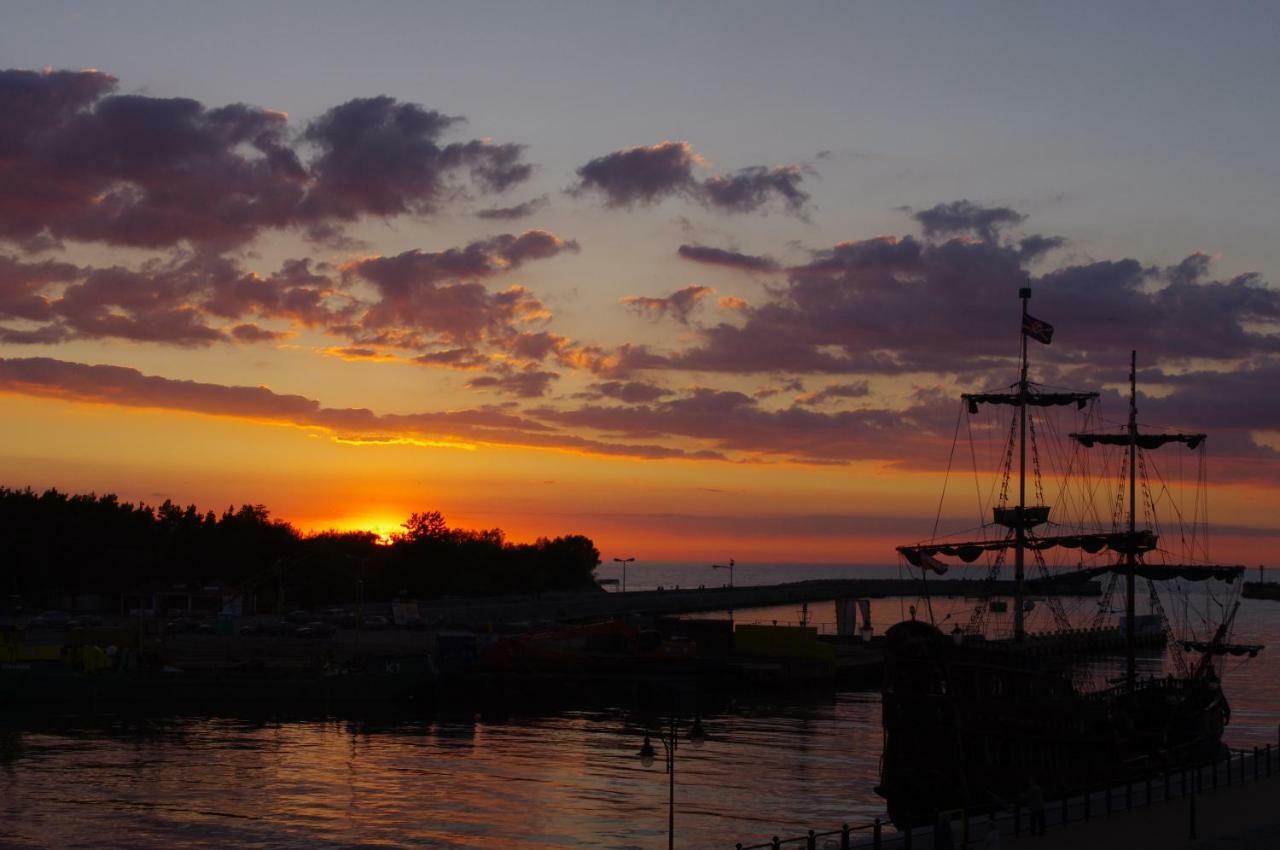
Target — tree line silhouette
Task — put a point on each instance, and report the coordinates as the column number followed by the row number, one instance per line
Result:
column 56, row 545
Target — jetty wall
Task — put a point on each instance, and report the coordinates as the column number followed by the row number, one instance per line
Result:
column 570, row 607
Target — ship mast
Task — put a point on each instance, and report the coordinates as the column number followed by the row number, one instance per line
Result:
column 1131, row 555
column 1020, row 544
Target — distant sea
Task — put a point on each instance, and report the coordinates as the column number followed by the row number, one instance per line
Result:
column 643, row 575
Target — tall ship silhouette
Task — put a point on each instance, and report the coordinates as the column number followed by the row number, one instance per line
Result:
column 975, row 714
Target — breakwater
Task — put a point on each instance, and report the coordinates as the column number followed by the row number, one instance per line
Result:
column 571, row 607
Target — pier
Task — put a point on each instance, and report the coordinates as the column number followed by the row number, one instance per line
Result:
column 570, row 607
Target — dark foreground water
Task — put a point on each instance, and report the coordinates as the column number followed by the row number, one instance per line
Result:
column 565, row 779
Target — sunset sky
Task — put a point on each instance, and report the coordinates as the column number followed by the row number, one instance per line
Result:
column 697, row 281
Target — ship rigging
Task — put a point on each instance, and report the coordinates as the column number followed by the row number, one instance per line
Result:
column 973, row 717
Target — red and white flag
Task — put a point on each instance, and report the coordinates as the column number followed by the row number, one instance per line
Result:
column 1036, row 329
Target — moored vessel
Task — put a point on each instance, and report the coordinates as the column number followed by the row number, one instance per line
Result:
column 973, row 718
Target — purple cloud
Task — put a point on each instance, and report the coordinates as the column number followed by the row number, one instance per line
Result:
column 647, row 174
column 116, row 385
column 529, row 382
column 79, row 162
column 728, row 259
column 834, row 392
column 960, row 217
column 631, row 392
column 512, row 213
column 382, row 157
column 750, row 189
column 643, row 174
column 678, row 305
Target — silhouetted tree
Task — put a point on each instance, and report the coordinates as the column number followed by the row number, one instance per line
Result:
column 53, row 545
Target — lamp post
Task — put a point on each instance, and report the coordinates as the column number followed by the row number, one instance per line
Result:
column 624, row 562
column 729, row 567
column 670, row 740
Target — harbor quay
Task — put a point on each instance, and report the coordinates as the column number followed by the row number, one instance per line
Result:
column 1229, row 803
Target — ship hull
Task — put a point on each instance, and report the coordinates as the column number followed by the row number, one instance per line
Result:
column 972, row 727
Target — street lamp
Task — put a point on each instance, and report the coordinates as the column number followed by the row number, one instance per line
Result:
column 729, row 567
column 670, row 740
column 624, row 562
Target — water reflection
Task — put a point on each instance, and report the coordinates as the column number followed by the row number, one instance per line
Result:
column 569, row 779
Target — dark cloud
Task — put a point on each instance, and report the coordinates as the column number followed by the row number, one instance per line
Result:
column 402, row 274
column 647, row 174
column 79, row 162
column 454, row 358
column 728, row 259
column 535, row 346
column 512, row 213
column 632, row 392
column 524, row 383
column 24, row 287
column 250, row 332
column 834, row 392
column 678, row 305
column 899, row 305
column 116, row 385
column 189, row 299
column 732, row 422
column 439, row 292
column 44, row 335
column 151, row 305
column 641, row 174
column 383, row 157
column 134, row 170
column 177, row 300
column 963, row 216
column 1035, row 246
column 750, row 189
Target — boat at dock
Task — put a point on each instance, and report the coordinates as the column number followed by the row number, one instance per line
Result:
column 1261, row 590
column 976, row 716
column 120, row 668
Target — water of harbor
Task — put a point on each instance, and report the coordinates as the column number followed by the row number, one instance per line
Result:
column 568, row 778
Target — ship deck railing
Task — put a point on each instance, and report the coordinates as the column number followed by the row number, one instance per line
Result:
column 1235, row 767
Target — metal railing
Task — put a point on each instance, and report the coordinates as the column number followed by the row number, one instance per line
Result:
column 968, row 830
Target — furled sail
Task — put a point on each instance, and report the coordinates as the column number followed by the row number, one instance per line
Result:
column 1145, row 441
column 1143, row 541
column 1163, row 572
column 1033, row 399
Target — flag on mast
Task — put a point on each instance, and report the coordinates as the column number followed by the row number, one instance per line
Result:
column 1036, row 329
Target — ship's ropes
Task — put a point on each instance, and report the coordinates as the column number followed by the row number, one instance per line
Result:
column 1176, row 653
column 1104, row 605
column 978, row 619
column 1006, row 470
column 1117, row 509
column 1035, row 462
column 1060, row 618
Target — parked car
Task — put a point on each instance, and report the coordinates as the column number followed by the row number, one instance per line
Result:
column 316, row 629
column 49, row 620
column 267, row 628
column 375, row 623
